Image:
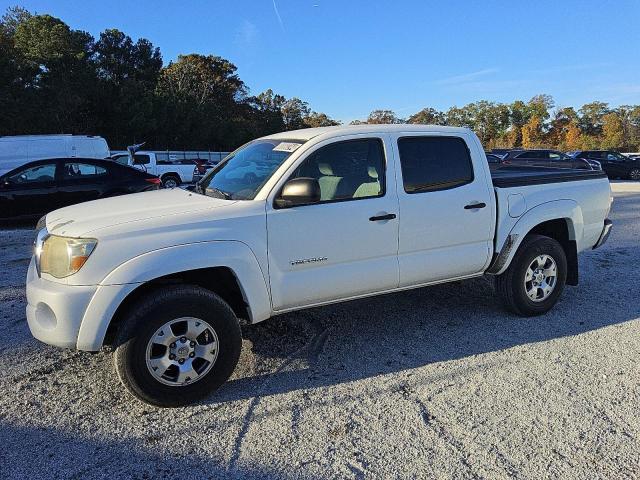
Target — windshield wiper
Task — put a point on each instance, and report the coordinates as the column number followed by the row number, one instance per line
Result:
column 218, row 193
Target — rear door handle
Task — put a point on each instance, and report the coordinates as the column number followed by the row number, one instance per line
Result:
column 473, row 206
column 388, row 216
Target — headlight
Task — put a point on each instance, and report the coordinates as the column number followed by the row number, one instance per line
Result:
column 64, row 256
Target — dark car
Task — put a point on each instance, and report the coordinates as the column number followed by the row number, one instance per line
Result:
column 39, row 187
column 547, row 158
column 615, row 165
column 495, row 161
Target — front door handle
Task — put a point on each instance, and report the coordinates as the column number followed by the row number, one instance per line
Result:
column 473, row 206
column 388, row 216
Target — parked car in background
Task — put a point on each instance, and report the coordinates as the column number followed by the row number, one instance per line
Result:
column 616, row 165
column 45, row 185
column 495, row 161
column 173, row 167
column 20, row 149
column 548, row 158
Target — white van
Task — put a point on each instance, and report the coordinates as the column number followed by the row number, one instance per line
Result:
column 20, row 149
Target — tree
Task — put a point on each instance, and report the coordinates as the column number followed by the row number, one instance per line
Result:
column 572, row 137
column 612, row 131
column 428, row 116
column 532, row 136
column 127, row 73
column 199, row 98
column 458, row 117
column 539, row 106
column 13, row 17
column 294, row 111
column 559, row 125
column 62, row 89
column 383, row 117
column 591, row 118
column 315, row 119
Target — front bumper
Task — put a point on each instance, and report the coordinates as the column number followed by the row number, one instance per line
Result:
column 604, row 236
column 55, row 310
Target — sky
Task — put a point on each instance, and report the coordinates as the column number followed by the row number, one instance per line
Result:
column 347, row 58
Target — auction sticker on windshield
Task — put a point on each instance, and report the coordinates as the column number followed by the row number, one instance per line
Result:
column 286, row 147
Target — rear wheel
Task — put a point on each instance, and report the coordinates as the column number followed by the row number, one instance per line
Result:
column 170, row 181
column 535, row 278
column 177, row 345
column 634, row 174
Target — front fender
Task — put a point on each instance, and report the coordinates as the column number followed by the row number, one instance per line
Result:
column 118, row 284
column 568, row 210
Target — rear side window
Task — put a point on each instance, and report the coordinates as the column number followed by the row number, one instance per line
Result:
column 434, row 163
column 82, row 170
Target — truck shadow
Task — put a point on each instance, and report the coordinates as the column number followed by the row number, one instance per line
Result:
column 56, row 453
column 380, row 335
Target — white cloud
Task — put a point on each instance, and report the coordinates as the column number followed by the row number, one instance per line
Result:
column 467, row 77
column 246, row 34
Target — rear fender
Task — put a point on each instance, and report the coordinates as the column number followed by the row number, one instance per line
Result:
column 569, row 210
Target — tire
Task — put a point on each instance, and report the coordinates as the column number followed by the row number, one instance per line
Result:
column 513, row 287
column 634, row 174
column 149, row 318
column 170, row 181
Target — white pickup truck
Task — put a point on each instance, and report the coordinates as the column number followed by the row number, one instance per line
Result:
column 296, row 220
column 172, row 173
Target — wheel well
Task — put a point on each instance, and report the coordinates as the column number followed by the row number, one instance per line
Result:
column 558, row 229
column 220, row 280
column 171, row 174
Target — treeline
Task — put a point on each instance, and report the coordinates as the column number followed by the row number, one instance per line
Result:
column 54, row 79
column 535, row 124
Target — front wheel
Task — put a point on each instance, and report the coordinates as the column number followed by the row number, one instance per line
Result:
column 634, row 174
column 535, row 278
column 177, row 345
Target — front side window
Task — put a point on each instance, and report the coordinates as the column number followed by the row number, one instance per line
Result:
column 33, row 175
column 346, row 170
column 434, row 163
column 73, row 170
column 243, row 173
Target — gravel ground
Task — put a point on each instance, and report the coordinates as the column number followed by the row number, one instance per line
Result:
column 437, row 382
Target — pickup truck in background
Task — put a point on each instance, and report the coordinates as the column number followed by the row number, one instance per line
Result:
column 297, row 220
column 173, row 172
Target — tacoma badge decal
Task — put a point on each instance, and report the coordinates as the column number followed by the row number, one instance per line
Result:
column 308, row 260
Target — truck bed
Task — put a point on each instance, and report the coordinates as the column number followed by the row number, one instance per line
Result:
column 519, row 176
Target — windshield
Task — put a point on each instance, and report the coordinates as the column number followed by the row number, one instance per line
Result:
column 243, row 173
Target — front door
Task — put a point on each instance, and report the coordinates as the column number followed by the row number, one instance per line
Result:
column 32, row 190
column 346, row 245
column 446, row 209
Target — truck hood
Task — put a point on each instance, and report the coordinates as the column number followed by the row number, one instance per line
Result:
column 84, row 218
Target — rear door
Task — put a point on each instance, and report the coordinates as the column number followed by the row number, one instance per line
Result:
column 30, row 191
column 345, row 245
column 446, row 208
column 81, row 181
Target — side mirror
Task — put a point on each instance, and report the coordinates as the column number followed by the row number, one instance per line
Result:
column 299, row 191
